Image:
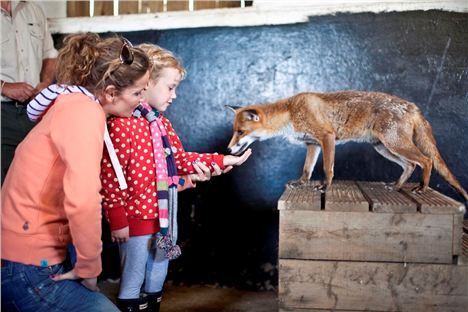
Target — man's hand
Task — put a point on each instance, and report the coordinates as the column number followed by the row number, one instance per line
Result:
column 18, row 91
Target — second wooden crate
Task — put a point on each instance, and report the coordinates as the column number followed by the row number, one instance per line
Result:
column 362, row 246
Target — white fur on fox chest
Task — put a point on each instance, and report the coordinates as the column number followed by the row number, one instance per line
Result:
column 295, row 137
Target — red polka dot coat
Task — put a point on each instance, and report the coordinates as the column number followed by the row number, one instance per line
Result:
column 137, row 206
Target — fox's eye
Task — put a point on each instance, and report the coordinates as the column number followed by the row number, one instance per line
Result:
column 240, row 132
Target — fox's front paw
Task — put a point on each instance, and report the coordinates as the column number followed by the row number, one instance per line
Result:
column 321, row 187
column 293, row 184
column 419, row 189
column 392, row 186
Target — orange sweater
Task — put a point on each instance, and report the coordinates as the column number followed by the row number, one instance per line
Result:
column 51, row 193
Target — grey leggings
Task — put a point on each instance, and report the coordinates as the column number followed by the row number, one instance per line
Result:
column 141, row 262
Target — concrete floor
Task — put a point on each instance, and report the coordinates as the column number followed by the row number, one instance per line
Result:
column 205, row 298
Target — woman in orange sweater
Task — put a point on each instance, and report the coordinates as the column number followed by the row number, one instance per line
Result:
column 51, row 193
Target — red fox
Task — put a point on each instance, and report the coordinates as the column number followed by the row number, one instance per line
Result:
column 395, row 127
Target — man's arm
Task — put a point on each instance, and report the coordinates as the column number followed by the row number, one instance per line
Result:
column 47, row 74
column 22, row 91
column 17, row 91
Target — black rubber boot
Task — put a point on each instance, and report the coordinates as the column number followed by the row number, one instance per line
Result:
column 133, row 305
column 154, row 301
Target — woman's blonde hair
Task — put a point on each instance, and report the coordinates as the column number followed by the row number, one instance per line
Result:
column 161, row 58
column 95, row 63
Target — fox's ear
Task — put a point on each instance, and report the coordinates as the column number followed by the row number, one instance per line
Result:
column 251, row 115
column 233, row 108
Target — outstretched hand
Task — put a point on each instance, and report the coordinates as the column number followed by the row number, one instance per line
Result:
column 231, row 160
column 90, row 283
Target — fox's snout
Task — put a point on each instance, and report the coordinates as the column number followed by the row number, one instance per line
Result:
column 237, row 149
column 234, row 148
column 238, row 145
column 246, row 122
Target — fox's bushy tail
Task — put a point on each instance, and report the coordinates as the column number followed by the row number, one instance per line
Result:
column 425, row 141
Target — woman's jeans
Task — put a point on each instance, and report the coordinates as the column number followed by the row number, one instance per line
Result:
column 141, row 261
column 29, row 288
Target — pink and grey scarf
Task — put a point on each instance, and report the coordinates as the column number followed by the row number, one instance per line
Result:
column 166, row 181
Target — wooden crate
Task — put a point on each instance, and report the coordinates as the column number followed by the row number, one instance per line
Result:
column 364, row 247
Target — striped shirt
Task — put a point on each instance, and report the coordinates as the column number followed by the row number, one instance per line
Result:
column 37, row 107
column 42, row 102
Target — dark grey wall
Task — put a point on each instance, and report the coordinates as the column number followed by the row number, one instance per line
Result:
column 420, row 56
column 229, row 226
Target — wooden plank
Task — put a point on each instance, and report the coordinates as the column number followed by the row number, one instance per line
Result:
column 384, row 199
column 284, row 199
column 457, row 233
column 359, row 236
column 345, row 196
column 336, row 285
column 77, row 8
column 465, row 246
column 285, row 309
column 302, row 197
column 432, row 201
column 465, row 239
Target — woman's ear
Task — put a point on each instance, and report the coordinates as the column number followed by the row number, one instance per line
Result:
column 109, row 93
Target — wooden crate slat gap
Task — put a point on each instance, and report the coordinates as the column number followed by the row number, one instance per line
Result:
column 384, row 199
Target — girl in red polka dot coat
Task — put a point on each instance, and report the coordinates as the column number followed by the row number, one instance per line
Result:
column 156, row 166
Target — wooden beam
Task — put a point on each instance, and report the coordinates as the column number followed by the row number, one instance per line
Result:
column 372, row 286
column 358, row 236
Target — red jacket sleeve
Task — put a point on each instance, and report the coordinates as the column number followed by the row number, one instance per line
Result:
column 114, row 199
column 185, row 159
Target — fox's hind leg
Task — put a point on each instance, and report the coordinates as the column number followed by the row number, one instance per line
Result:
column 408, row 167
column 406, row 150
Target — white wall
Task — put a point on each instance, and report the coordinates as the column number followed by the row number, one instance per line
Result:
column 53, row 9
column 264, row 12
